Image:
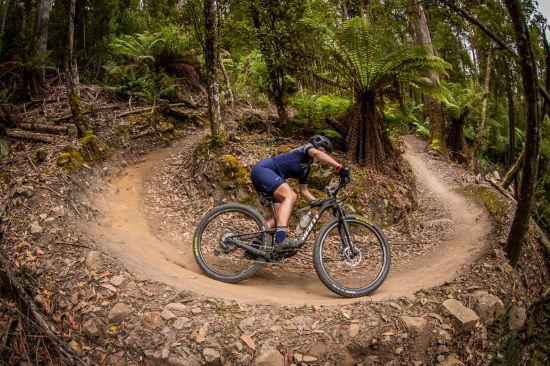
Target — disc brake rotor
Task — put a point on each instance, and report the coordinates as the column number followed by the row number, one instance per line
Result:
column 351, row 259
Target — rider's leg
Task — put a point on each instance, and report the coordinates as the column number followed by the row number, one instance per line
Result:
column 288, row 198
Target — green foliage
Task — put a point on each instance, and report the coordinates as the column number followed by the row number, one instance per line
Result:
column 250, row 78
column 145, row 56
column 366, row 59
column 311, row 109
column 330, row 133
column 422, row 128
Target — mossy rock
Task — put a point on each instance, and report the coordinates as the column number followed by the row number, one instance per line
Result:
column 96, row 151
column 70, row 160
column 166, row 128
column 5, row 147
column 198, row 120
column 40, row 155
column 320, row 176
column 232, row 171
column 495, row 203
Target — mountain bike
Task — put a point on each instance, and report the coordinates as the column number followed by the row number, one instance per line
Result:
column 351, row 255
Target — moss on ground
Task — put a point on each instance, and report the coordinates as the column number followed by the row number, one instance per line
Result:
column 496, row 204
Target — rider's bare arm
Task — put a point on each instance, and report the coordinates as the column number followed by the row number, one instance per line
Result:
column 323, row 158
column 304, row 191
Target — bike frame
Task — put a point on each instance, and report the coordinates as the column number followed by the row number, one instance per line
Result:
column 331, row 202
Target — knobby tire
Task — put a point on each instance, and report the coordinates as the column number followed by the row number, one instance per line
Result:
column 215, row 255
column 358, row 275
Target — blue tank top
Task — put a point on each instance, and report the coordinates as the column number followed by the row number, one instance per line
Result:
column 294, row 164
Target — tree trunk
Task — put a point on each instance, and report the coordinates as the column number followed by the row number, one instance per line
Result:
column 71, row 76
column 211, row 64
column 41, row 33
column 344, row 9
column 227, row 83
column 3, row 26
column 493, row 36
column 511, row 117
column 529, row 77
column 433, row 105
column 277, row 80
column 477, row 142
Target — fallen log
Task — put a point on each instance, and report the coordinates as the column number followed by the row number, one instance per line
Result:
column 26, row 135
column 43, row 128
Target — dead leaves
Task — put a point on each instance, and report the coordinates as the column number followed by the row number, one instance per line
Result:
column 109, row 286
column 198, row 334
column 249, row 341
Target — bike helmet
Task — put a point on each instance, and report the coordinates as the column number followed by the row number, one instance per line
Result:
column 321, row 141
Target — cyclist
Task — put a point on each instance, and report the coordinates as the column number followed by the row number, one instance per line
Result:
column 269, row 176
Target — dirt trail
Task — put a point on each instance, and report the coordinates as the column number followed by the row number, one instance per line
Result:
column 122, row 231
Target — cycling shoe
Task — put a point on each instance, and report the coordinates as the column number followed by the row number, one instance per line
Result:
column 288, row 244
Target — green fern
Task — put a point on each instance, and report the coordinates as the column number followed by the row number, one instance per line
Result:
column 423, row 129
column 364, row 62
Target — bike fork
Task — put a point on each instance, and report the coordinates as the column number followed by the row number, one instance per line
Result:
column 345, row 236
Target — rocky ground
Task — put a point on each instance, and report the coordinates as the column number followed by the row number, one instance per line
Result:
column 105, row 313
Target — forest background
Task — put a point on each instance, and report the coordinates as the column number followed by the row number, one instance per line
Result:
column 472, row 76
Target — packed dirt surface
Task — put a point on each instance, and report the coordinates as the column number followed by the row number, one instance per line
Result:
column 143, row 243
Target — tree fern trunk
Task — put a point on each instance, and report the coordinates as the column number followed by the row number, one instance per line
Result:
column 367, row 141
column 457, row 145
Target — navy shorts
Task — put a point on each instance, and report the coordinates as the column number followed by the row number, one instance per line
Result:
column 265, row 179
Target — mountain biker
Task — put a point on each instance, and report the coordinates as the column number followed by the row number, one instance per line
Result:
column 269, row 176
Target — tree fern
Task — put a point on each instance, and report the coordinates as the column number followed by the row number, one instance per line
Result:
column 365, row 62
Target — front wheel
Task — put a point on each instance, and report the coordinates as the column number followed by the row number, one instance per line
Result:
column 214, row 241
column 346, row 273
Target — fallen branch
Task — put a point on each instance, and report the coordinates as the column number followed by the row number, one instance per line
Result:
column 43, row 128
column 67, row 353
column 26, row 135
column 495, row 184
column 137, row 111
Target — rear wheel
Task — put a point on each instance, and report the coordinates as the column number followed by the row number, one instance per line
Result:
column 214, row 241
column 352, row 274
